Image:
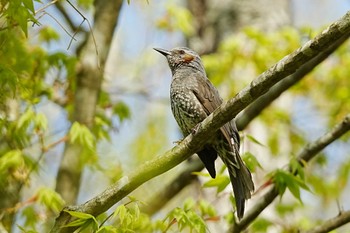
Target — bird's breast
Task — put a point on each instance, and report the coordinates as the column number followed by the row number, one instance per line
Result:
column 185, row 106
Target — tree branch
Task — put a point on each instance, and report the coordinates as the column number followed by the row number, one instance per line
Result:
column 331, row 224
column 160, row 198
column 246, row 116
column 242, row 121
column 59, row 6
column 309, row 151
column 210, row 125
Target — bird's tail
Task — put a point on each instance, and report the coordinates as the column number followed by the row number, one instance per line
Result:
column 241, row 180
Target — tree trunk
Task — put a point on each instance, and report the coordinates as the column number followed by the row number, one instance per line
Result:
column 90, row 68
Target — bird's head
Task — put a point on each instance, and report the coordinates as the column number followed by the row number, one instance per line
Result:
column 182, row 57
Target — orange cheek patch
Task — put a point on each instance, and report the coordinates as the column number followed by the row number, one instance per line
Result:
column 188, row 58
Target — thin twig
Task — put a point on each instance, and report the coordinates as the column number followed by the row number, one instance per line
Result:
column 75, row 33
column 58, row 22
column 48, row 147
column 91, row 31
column 65, row 15
column 46, row 6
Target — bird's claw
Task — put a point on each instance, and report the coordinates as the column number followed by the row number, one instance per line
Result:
column 195, row 129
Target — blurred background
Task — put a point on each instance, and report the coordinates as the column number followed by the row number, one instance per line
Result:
column 85, row 101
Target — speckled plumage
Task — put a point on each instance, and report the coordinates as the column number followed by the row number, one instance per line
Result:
column 193, row 98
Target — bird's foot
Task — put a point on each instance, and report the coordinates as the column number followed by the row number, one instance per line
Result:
column 195, row 129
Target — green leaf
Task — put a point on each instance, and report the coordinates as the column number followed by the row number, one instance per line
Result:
column 284, row 179
column 189, row 204
column 25, row 119
column 102, row 127
column 30, row 216
column 343, row 174
column 252, row 139
column 220, row 182
column 121, row 212
column 86, row 4
column 206, row 208
column 9, row 79
column 12, row 159
column 29, row 5
column 84, row 221
column 204, row 174
column 261, row 225
column 251, row 161
column 76, row 223
column 285, row 209
column 122, row 110
column 50, row 199
column 181, row 19
column 294, row 188
column 79, row 215
column 132, row 198
column 108, row 229
column 40, row 121
column 48, row 34
column 82, row 135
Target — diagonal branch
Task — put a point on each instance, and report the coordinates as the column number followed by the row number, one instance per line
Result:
column 210, row 125
column 242, row 120
column 248, row 114
column 331, row 224
column 305, row 155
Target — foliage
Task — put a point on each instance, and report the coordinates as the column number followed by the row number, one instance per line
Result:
column 32, row 76
column 126, row 218
column 177, row 18
column 18, row 12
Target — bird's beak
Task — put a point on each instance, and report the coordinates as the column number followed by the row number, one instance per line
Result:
column 163, row 51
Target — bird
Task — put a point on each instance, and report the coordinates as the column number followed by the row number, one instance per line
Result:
column 193, row 97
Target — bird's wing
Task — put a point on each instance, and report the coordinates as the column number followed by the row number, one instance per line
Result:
column 210, row 99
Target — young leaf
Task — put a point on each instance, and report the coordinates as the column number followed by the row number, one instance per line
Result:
column 29, row 5
column 11, row 160
column 79, row 215
column 50, row 199
column 284, row 179
column 121, row 212
column 261, row 225
column 189, row 204
column 40, row 121
column 251, row 161
column 122, row 110
column 204, row 174
column 252, row 139
column 220, row 182
column 25, row 119
column 82, row 135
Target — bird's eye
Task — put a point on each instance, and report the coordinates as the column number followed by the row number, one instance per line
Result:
column 181, row 51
